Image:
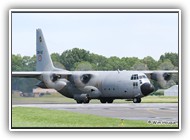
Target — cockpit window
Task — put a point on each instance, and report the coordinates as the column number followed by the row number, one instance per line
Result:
column 134, row 77
column 142, row 77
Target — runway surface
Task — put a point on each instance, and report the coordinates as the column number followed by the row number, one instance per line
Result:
column 131, row 111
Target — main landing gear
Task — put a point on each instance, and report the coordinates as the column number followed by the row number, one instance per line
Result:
column 103, row 101
column 80, row 102
column 136, row 100
column 106, row 101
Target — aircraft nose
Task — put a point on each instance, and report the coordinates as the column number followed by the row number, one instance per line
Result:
column 147, row 88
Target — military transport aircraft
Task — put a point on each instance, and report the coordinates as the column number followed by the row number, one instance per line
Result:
column 83, row 86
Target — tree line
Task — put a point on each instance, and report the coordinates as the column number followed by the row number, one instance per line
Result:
column 80, row 59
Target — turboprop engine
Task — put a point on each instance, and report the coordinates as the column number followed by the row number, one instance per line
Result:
column 55, row 81
column 80, row 80
column 86, row 84
column 161, row 77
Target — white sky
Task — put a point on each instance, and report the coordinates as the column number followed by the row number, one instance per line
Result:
column 108, row 34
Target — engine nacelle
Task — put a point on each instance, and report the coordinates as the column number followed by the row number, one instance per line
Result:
column 158, row 76
column 167, row 76
column 50, row 82
column 81, row 80
column 85, row 78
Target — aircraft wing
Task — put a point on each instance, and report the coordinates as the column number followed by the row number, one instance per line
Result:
column 160, row 71
column 36, row 74
column 160, row 74
column 26, row 74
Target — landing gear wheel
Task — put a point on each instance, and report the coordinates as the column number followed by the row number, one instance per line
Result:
column 86, row 102
column 136, row 100
column 102, row 101
column 79, row 102
column 110, row 101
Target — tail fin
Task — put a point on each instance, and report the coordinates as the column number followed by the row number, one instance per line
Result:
column 43, row 59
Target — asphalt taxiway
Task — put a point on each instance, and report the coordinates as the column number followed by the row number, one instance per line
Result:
column 131, row 111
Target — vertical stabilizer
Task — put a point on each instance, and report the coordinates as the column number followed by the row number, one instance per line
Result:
column 43, row 59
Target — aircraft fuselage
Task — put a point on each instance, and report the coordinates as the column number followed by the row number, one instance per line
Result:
column 105, row 85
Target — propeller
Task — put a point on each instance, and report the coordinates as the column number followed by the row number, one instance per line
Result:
column 52, row 80
column 167, row 76
column 54, row 77
column 163, row 79
column 160, row 76
column 80, row 80
column 85, row 78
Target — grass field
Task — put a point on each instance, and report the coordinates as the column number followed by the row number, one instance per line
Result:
column 36, row 117
column 57, row 98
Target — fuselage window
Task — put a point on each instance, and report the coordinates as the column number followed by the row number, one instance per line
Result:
column 135, row 84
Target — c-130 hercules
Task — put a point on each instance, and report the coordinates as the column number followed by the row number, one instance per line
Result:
column 83, row 86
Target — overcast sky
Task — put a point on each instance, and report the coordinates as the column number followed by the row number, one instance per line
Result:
column 108, row 34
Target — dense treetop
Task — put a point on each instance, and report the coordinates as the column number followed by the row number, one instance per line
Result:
column 80, row 59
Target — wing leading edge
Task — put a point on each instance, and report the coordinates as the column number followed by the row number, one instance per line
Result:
column 36, row 74
column 160, row 75
column 26, row 74
column 160, row 71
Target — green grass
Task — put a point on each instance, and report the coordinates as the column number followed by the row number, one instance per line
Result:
column 37, row 117
column 160, row 99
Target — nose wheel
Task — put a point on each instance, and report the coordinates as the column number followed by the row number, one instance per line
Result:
column 136, row 100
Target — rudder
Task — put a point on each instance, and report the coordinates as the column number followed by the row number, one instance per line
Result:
column 43, row 59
